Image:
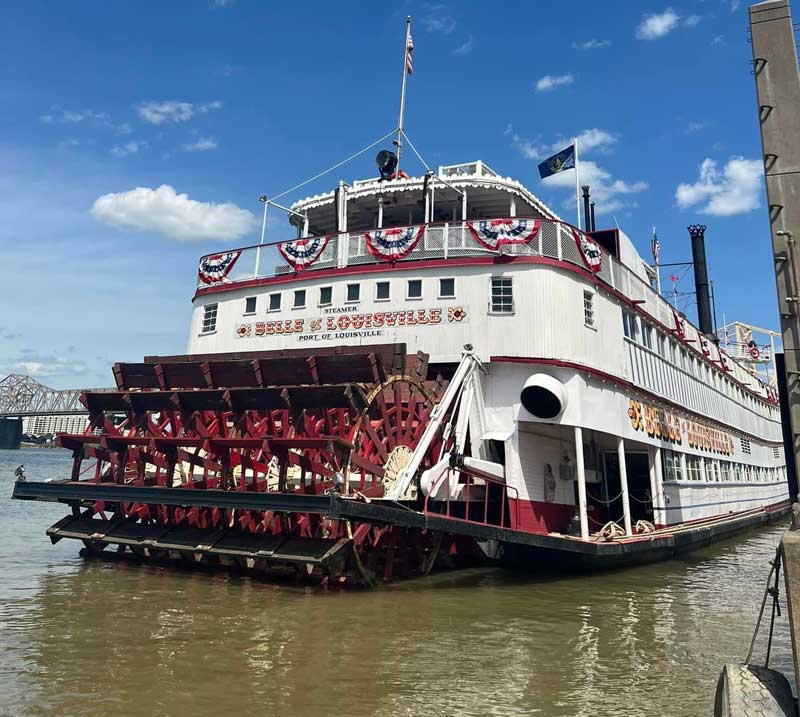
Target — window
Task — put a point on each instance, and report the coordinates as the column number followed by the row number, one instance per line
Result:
column 647, row 335
column 502, row 301
column 353, row 293
column 382, row 291
column 209, row 318
column 299, row 299
column 414, row 289
column 694, row 468
column 673, row 471
column 661, row 343
column 588, row 308
column 725, row 467
column 274, row 302
column 745, row 442
column 325, row 295
column 447, row 288
column 250, row 305
column 776, row 453
column 629, row 326
column 738, row 472
column 712, row 471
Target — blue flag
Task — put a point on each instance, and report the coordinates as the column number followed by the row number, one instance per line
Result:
column 565, row 159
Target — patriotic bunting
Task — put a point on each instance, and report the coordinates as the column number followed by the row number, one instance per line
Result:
column 215, row 267
column 393, row 244
column 302, row 253
column 589, row 251
column 680, row 324
column 494, row 233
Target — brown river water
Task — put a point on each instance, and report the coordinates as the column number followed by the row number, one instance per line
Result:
column 96, row 638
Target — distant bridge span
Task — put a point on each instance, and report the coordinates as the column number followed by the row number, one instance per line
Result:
column 22, row 396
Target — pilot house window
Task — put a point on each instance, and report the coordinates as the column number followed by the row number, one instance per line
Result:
column 502, row 301
column 250, row 305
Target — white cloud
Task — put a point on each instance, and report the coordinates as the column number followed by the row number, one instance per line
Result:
column 438, row 19
column 592, row 44
column 693, row 127
column 692, row 20
column 203, row 144
column 735, row 5
column 588, row 141
column 550, row 82
column 464, row 49
column 57, row 114
column 173, row 111
column 654, row 26
column 123, row 150
column 124, row 128
column 222, row 3
column 718, row 40
column 734, row 190
column 606, row 190
column 173, row 215
column 41, row 365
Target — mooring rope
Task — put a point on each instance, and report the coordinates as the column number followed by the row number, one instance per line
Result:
column 775, row 568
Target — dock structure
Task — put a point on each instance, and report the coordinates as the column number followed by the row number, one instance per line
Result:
column 777, row 80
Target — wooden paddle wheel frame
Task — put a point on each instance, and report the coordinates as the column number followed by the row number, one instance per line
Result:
column 233, row 432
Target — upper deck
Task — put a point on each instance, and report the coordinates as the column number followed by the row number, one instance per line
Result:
column 485, row 228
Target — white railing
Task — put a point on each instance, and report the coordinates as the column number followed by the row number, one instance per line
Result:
column 450, row 240
column 453, row 240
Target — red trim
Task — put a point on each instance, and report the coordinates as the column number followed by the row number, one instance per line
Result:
column 536, row 517
column 478, row 261
column 631, row 387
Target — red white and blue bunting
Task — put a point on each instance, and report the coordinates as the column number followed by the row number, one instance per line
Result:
column 302, row 253
column 680, row 324
column 393, row 244
column 494, row 233
column 215, row 267
column 589, row 251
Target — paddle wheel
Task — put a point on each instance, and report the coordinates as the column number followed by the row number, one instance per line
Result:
column 271, row 462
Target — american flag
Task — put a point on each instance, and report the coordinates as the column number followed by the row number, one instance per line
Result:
column 409, row 50
column 656, row 246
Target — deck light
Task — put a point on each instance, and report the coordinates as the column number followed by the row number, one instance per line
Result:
column 387, row 163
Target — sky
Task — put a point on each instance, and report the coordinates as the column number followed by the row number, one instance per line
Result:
column 135, row 137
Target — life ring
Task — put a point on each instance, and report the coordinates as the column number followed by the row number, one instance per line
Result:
column 399, row 175
column 755, row 354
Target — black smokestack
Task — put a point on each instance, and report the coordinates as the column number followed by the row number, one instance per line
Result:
column 594, row 226
column 587, row 217
column 697, row 232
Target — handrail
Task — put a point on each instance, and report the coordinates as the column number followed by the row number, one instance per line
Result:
column 487, row 482
column 374, row 229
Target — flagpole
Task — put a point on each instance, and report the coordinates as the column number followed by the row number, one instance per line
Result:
column 399, row 141
column 656, row 260
column 577, row 183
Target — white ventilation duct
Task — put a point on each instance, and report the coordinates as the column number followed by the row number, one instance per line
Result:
column 544, row 396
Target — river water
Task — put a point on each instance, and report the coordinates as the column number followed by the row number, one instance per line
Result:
column 96, row 638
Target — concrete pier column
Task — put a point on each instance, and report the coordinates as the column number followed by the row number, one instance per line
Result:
column 581, row 471
column 623, row 481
